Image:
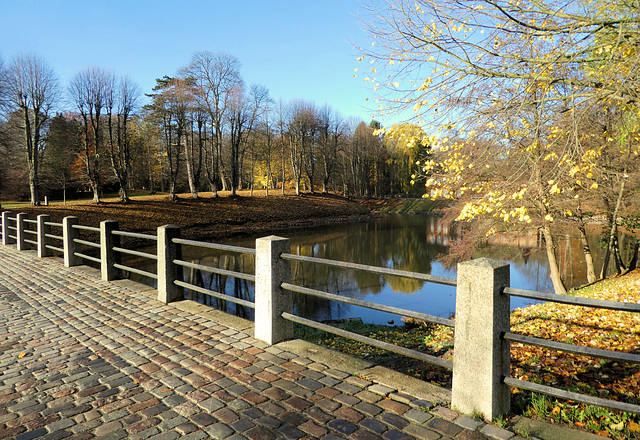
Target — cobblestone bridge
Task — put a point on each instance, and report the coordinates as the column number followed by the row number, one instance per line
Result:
column 84, row 358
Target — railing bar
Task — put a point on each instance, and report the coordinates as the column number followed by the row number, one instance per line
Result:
column 54, row 248
column 86, row 243
column 136, row 253
column 242, row 276
column 15, row 228
column 87, row 257
column 369, row 305
column 26, row 220
column 59, row 225
column 29, row 231
column 573, row 300
column 223, row 247
column 571, row 348
column 577, row 397
column 242, row 302
column 380, row 344
column 136, row 235
column 86, row 228
column 35, row 243
column 374, row 269
column 13, row 236
column 138, row 271
column 57, row 237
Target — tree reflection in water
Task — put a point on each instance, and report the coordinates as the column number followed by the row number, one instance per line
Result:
column 407, row 242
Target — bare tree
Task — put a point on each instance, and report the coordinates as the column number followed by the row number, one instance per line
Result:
column 302, row 130
column 32, row 89
column 169, row 110
column 121, row 103
column 90, row 91
column 216, row 75
column 332, row 131
column 244, row 111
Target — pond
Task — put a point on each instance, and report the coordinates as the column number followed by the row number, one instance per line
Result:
column 407, row 242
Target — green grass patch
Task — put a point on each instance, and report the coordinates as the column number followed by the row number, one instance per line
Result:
column 409, row 338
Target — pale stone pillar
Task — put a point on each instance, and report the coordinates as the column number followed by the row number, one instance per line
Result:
column 21, row 245
column 481, row 356
column 5, row 229
column 43, row 241
column 108, row 256
column 69, row 234
column 271, row 299
column 168, row 271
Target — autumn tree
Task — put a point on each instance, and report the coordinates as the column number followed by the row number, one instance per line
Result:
column 31, row 89
column 496, row 77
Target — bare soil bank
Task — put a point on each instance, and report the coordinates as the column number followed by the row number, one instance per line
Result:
column 208, row 217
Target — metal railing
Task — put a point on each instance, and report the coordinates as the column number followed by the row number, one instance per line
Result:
column 573, row 348
column 484, row 283
column 370, row 305
column 214, row 270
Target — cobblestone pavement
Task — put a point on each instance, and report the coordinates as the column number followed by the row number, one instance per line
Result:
column 82, row 358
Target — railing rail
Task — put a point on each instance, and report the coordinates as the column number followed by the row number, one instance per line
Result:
column 372, row 269
column 371, row 341
column 574, row 300
column 369, row 305
column 217, row 246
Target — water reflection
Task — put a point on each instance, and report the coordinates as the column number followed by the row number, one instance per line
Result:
column 407, row 242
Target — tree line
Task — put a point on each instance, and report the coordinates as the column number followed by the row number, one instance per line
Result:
column 202, row 129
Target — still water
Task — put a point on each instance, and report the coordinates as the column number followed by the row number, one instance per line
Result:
column 407, row 242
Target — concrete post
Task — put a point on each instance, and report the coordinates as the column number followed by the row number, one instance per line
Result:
column 21, row 245
column 271, row 299
column 481, row 356
column 43, row 240
column 107, row 255
column 168, row 271
column 69, row 234
column 5, row 229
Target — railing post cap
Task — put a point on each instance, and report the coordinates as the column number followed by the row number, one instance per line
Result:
column 484, row 262
column 273, row 238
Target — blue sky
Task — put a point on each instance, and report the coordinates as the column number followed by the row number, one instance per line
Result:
column 298, row 49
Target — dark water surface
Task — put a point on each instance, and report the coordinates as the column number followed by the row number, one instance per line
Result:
column 407, row 242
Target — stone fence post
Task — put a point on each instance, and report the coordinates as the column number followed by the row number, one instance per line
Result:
column 6, row 232
column 108, row 256
column 168, row 271
column 43, row 241
column 21, row 244
column 270, row 298
column 69, row 234
column 481, row 356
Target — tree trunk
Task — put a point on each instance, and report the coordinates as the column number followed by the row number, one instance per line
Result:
column 588, row 257
column 190, row 176
column 558, row 285
column 96, row 193
column 612, row 232
column 634, row 256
